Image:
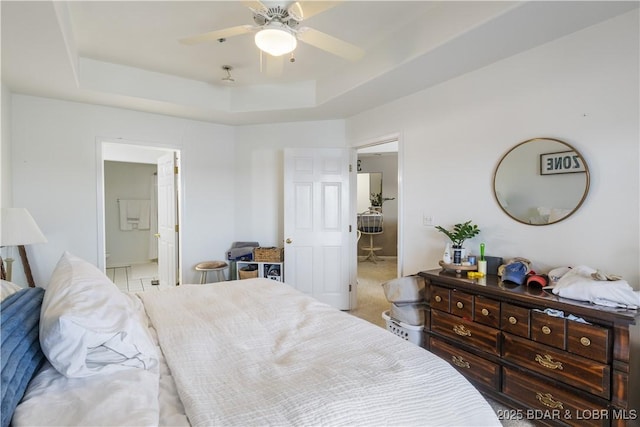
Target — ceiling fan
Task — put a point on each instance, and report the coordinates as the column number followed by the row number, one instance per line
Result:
column 278, row 29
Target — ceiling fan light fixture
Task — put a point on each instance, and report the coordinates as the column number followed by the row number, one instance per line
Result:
column 275, row 39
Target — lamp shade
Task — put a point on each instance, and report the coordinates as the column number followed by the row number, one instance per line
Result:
column 19, row 228
column 275, row 39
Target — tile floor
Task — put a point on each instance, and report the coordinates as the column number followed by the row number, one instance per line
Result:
column 135, row 277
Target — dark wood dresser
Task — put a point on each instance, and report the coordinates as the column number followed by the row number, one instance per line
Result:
column 579, row 369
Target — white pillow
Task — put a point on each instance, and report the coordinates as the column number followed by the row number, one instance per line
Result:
column 88, row 326
column 8, row 288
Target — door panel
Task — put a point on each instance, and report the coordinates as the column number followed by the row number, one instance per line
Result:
column 167, row 220
column 317, row 223
column 304, row 206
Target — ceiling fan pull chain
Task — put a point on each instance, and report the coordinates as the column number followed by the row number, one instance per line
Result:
column 260, row 60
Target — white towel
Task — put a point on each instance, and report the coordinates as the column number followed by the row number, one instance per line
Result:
column 124, row 224
column 133, row 211
column 134, row 214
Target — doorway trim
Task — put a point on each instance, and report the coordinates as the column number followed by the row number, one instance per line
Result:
column 133, row 148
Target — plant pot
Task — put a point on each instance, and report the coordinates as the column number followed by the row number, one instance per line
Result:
column 459, row 254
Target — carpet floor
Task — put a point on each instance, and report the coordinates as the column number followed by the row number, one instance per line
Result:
column 370, row 295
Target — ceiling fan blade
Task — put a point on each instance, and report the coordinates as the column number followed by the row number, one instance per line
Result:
column 218, row 34
column 330, row 44
column 254, row 4
column 306, row 9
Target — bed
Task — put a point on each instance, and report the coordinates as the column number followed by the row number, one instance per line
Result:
column 246, row 353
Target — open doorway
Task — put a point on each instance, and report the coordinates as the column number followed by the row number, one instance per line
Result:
column 378, row 197
column 132, row 212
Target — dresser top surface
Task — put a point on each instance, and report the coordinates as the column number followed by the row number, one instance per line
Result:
column 491, row 285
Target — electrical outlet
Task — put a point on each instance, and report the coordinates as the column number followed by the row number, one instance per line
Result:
column 427, row 220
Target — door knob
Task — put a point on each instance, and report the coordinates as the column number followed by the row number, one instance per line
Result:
column 289, row 241
column 157, row 235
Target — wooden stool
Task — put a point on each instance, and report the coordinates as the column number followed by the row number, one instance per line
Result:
column 207, row 266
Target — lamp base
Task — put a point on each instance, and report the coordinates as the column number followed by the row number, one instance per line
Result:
column 26, row 266
column 3, row 273
column 6, row 274
column 9, row 272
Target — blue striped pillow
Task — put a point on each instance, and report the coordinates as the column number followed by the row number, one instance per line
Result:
column 20, row 355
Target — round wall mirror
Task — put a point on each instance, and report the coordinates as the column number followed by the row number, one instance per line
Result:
column 541, row 181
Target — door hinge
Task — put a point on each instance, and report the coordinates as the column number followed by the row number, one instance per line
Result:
column 349, row 228
column 350, row 168
column 349, row 287
column 177, row 228
column 175, row 170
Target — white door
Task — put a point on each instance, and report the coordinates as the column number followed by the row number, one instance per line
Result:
column 167, row 220
column 317, row 229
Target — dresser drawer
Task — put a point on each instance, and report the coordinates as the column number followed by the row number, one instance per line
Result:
column 589, row 341
column 577, row 371
column 461, row 304
column 514, row 319
column 548, row 329
column 439, row 298
column 551, row 402
column 471, row 366
column 486, row 311
column 466, row 331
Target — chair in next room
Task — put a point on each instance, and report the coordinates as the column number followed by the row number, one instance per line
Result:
column 370, row 223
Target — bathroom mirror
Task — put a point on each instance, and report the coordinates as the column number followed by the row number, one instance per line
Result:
column 541, row 181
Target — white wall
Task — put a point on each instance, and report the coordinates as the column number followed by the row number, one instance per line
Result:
column 259, row 174
column 55, row 173
column 6, row 180
column 5, row 149
column 232, row 179
column 582, row 89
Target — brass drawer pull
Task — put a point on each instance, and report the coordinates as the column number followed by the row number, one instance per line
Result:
column 585, row 341
column 485, row 312
column 460, row 362
column 462, row 331
column 459, row 304
column 546, row 330
column 547, row 400
column 513, row 320
column 548, row 362
column 438, row 298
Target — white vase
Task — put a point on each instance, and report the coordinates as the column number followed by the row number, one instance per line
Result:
column 446, row 256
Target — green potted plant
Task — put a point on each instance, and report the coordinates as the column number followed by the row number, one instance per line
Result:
column 376, row 199
column 458, row 235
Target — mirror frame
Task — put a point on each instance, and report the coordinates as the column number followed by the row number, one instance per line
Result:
column 569, row 147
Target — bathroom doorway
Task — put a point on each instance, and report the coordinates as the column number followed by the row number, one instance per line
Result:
column 129, row 217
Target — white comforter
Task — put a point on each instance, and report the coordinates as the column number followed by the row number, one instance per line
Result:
column 258, row 352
